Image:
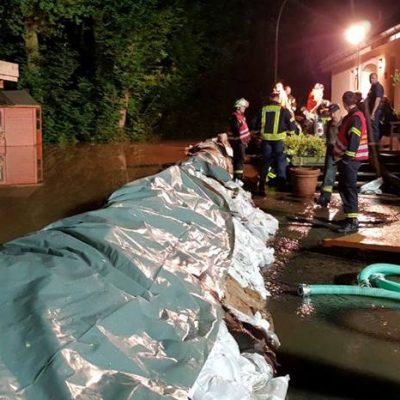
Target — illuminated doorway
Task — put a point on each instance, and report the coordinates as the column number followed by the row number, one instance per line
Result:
column 364, row 82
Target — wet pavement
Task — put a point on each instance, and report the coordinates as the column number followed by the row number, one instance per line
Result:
column 333, row 347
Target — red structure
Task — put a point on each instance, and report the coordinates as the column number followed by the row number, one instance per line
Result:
column 20, row 139
column 20, row 119
column 21, row 165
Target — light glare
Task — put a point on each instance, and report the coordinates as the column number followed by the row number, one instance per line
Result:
column 357, row 33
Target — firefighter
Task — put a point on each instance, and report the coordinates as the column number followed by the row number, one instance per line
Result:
column 239, row 136
column 330, row 169
column 274, row 123
column 351, row 148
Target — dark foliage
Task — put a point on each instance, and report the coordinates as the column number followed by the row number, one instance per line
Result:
column 167, row 66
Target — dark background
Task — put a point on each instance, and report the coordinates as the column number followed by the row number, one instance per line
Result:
column 310, row 30
column 174, row 67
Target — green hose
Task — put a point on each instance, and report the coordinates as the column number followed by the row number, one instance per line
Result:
column 374, row 274
column 310, row 290
column 386, row 284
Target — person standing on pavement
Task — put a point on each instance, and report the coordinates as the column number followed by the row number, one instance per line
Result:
column 315, row 98
column 291, row 101
column 374, row 101
column 330, row 169
column 351, row 148
column 292, row 107
column 273, row 124
column 239, row 136
column 280, row 91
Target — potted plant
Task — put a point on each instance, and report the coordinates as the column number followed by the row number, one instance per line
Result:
column 307, row 152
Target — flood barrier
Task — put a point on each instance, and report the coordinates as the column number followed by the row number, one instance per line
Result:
column 126, row 301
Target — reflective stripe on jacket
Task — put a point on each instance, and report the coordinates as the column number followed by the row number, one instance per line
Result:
column 275, row 122
column 239, row 129
column 348, row 128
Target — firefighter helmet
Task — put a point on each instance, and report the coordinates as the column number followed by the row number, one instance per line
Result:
column 241, row 103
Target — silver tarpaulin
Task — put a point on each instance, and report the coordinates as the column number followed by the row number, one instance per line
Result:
column 121, row 302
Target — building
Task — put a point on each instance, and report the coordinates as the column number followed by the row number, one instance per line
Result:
column 21, row 165
column 20, row 119
column 381, row 54
column 20, row 139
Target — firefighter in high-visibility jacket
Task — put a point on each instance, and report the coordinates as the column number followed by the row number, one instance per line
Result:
column 239, row 136
column 274, row 123
column 330, row 168
column 351, row 148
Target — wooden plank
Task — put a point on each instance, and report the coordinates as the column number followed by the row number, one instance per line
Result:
column 383, row 238
column 9, row 71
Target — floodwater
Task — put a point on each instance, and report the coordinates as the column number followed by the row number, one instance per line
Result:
column 39, row 186
column 333, row 347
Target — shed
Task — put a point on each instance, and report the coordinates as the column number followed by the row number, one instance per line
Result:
column 20, row 119
column 21, row 165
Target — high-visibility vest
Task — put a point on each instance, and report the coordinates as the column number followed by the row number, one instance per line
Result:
column 244, row 132
column 271, row 124
column 342, row 140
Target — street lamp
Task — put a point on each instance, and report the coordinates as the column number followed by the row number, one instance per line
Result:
column 276, row 40
column 356, row 35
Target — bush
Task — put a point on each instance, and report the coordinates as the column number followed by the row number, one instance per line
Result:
column 305, row 146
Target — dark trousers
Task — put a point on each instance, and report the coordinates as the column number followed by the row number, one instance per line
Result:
column 348, row 170
column 375, row 124
column 238, row 158
column 273, row 153
column 329, row 173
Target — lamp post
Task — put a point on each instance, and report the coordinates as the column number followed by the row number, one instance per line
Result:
column 277, row 39
column 356, row 35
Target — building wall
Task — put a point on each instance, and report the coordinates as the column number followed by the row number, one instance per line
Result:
column 19, row 125
column 341, row 82
column 21, row 165
column 383, row 60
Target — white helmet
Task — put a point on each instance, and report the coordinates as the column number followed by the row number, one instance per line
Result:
column 241, row 103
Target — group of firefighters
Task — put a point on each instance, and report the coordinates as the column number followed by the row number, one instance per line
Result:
column 346, row 140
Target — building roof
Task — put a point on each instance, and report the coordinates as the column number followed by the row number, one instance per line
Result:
column 17, row 98
column 390, row 34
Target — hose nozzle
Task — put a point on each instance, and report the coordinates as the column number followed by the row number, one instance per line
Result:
column 304, row 290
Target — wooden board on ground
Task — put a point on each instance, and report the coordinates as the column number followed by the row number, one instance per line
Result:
column 9, row 71
column 382, row 238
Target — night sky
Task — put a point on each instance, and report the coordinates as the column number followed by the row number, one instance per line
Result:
column 310, row 30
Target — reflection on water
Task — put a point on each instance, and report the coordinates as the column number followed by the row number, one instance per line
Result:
column 21, row 165
column 73, row 179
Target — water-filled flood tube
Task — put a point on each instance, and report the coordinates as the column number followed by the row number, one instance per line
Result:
column 125, row 302
column 372, row 282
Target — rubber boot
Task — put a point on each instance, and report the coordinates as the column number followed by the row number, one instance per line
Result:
column 350, row 226
column 323, row 200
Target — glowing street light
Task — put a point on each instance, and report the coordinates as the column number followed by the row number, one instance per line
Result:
column 356, row 35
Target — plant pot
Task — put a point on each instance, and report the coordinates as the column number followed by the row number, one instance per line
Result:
column 308, row 161
column 304, row 181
